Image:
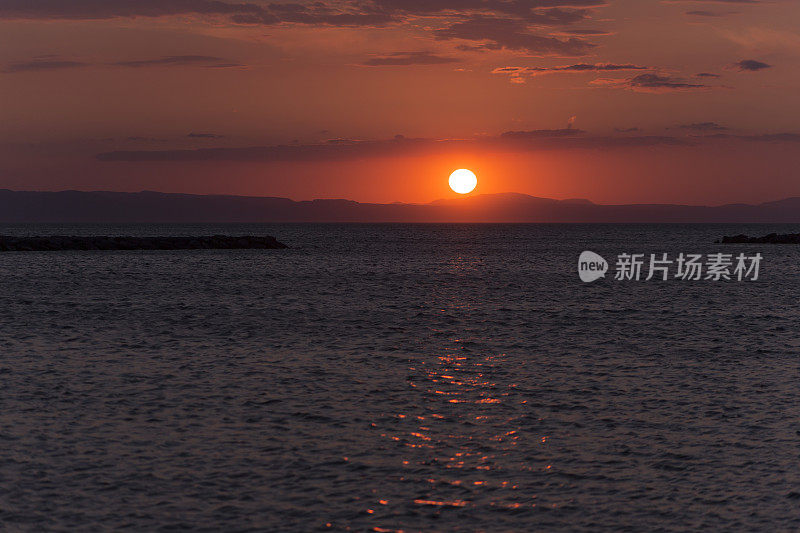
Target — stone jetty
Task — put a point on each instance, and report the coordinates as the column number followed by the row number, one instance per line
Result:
column 64, row 242
column 772, row 238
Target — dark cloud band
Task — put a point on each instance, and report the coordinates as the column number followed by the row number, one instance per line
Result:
column 38, row 65
column 408, row 58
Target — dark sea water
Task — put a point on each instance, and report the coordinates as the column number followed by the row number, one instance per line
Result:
column 397, row 377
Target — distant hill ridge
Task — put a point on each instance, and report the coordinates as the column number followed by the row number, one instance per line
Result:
column 150, row 206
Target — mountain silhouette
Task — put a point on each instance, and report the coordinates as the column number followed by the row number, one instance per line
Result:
column 149, row 206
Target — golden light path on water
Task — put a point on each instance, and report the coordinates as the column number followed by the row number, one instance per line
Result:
column 461, row 433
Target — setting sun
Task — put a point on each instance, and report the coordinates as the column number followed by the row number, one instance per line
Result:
column 463, row 181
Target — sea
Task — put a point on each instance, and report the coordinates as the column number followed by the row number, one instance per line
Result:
column 398, row 378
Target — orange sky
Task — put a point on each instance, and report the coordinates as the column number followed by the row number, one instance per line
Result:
column 622, row 100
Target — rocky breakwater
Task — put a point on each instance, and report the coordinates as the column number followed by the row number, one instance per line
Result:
column 772, row 238
column 64, row 242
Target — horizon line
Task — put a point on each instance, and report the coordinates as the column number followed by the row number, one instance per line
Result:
column 394, row 203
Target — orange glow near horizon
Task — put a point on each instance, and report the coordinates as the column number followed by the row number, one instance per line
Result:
column 621, row 102
column 624, row 175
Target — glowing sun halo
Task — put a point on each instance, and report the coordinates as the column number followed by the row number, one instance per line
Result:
column 463, row 181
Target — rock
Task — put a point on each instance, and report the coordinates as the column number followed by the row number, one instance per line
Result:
column 10, row 243
column 772, row 238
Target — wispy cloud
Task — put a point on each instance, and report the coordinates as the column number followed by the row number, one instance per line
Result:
column 750, row 65
column 36, row 65
column 542, row 134
column 322, row 12
column 178, row 61
column 763, row 40
column 346, row 149
column 703, row 126
column 585, row 32
column 741, row 2
column 408, row 58
column 539, row 11
column 518, row 141
column 786, row 137
column 495, row 33
column 653, row 83
column 333, row 13
column 534, row 27
column 194, row 135
column 518, row 74
column 710, row 14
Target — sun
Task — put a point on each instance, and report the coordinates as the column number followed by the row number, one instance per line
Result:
column 463, row 181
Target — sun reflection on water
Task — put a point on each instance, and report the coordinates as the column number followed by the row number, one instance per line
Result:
column 458, row 431
column 465, row 426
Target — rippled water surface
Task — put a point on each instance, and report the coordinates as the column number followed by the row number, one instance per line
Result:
column 397, row 377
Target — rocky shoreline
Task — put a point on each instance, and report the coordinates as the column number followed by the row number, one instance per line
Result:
column 64, row 242
column 772, row 238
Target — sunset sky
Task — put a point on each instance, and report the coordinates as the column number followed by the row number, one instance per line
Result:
column 617, row 101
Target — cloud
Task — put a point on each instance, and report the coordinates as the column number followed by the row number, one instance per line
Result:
column 707, row 75
column 347, row 149
column 194, row 135
column 751, row 65
column 336, row 149
column 702, row 13
column 653, row 83
column 773, row 137
column 491, row 24
column 517, row 74
column 170, row 61
column 511, row 141
column 317, row 13
column 483, row 25
column 408, row 58
column 37, row 65
column 540, row 134
column 522, row 8
column 555, row 17
column 140, row 138
column 586, row 31
column 106, row 9
column 335, row 13
column 786, row 137
column 511, row 34
column 338, row 14
column 763, row 40
column 703, row 126
column 717, row 1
